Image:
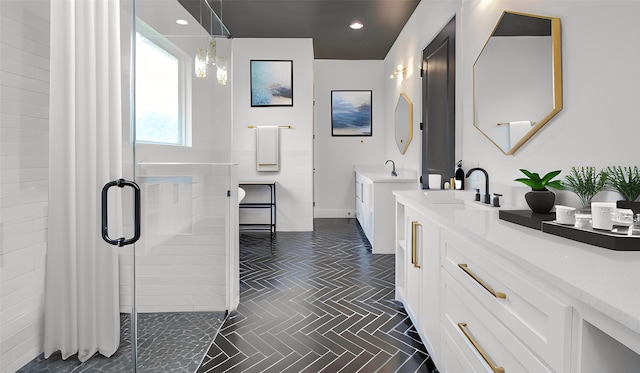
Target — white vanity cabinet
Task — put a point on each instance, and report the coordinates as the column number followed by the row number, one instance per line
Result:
column 512, row 317
column 419, row 251
column 414, row 260
column 364, row 205
column 513, row 299
column 374, row 205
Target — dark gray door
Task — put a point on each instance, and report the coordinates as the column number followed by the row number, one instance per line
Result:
column 438, row 105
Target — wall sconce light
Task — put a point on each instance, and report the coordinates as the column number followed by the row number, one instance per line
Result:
column 399, row 70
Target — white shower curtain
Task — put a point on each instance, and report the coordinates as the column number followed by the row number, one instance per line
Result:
column 81, row 301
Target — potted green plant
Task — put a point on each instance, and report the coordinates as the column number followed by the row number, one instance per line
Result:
column 626, row 181
column 540, row 199
column 585, row 182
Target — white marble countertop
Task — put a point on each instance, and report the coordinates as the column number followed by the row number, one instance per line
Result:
column 378, row 174
column 606, row 280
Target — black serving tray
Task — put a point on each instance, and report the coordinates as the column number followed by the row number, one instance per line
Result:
column 526, row 218
column 590, row 236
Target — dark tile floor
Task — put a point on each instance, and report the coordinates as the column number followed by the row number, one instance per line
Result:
column 167, row 342
column 310, row 302
column 316, row 302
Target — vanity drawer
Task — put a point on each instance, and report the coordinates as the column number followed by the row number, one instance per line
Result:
column 485, row 344
column 451, row 358
column 532, row 313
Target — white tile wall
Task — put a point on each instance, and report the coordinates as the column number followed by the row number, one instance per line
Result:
column 24, row 137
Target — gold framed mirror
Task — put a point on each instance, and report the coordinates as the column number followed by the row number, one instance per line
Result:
column 403, row 122
column 517, row 79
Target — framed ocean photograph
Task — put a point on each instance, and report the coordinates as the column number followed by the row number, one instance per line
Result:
column 351, row 113
column 271, row 83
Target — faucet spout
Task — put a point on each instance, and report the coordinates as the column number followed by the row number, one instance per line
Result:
column 393, row 172
column 487, row 196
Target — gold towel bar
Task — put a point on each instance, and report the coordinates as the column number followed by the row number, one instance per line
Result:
column 507, row 123
column 278, row 127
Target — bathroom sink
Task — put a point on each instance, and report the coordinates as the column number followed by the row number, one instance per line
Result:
column 443, row 196
column 479, row 205
column 456, row 197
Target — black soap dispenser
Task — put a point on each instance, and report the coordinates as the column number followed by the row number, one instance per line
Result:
column 459, row 181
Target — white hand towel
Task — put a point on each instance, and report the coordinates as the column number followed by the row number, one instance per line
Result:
column 517, row 130
column 267, row 148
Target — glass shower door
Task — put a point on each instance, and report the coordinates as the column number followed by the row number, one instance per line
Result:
column 177, row 282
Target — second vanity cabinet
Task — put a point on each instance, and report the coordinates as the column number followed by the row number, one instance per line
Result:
column 375, row 203
column 488, row 296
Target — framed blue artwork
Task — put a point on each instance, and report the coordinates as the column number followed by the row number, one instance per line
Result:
column 271, row 83
column 351, row 113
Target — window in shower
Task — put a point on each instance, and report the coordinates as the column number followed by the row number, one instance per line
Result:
column 160, row 89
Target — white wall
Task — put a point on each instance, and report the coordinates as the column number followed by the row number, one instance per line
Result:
column 24, row 162
column 335, row 156
column 295, row 178
column 598, row 124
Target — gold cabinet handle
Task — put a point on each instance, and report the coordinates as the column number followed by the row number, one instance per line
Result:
column 496, row 369
column 466, row 270
column 414, row 239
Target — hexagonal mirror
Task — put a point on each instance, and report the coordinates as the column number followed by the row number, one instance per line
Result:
column 517, row 79
column 403, row 122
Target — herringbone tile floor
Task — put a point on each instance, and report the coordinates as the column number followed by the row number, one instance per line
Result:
column 316, row 302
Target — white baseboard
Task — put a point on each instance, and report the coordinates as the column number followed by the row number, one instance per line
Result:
column 331, row 213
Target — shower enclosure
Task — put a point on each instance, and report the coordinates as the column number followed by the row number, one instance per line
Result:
column 175, row 147
column 186, row 258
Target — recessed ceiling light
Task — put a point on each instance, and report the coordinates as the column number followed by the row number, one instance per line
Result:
column 356, row 25
column 181, row 22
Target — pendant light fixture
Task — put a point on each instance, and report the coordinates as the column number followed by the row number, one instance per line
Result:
column 212, row 51
column 201, row 55
column 208, row 56
column 212, row 47
column 201, row 63
column 221, row 64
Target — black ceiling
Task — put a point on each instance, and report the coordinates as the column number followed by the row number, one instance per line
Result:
column 325, row 21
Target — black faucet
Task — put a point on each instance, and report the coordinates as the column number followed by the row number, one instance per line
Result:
column 487, row 196
column 393, row 172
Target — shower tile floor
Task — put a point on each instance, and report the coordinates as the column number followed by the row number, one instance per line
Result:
column 310, row 302
column 167, row 342
column 316, row 302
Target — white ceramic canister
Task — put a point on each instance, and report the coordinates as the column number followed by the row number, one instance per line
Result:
column 601, row 215
column 565, row 215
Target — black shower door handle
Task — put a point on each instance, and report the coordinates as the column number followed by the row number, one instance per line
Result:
column 121, row 183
